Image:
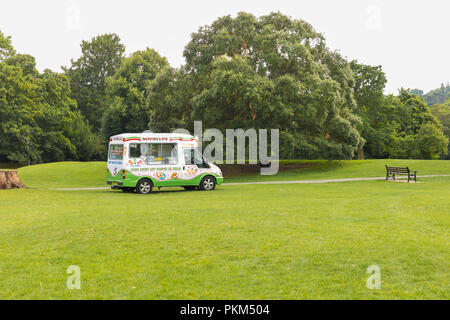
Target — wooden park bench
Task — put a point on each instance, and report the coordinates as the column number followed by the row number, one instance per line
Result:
column 400, row 171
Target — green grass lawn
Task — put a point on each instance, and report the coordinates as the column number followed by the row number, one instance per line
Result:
column 93, row 174
column 324, row 169
column 292, row 241
column 64, row 174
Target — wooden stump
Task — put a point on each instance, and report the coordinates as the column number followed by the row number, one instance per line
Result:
column 10, row 180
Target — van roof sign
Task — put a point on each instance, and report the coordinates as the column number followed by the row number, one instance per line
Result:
column 186, row 140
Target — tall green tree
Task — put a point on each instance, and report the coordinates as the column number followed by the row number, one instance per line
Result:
column 63, row 125
column 272, row 72
column 35, row 114
column 39, row 121
column 100, row 59
column 373, row 108
column 6, row 48
column 128, row 90
column 417, row 133
column 430, row 142
column 18, row 104
column 169, row 98
column 442, row 113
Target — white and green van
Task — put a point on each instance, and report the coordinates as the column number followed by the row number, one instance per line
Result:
column 141, row 161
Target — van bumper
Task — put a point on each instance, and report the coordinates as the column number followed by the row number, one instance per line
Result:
column 114, row 183
column 219, row 180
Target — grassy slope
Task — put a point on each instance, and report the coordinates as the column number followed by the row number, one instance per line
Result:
column 64, row 174
column 93, row 174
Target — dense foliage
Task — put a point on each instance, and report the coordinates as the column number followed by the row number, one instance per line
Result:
column 442, row 113
column 129, row 110
column 240, row 72
column 394, row 126
column 100, row 59
column 267, row 72
column 39, row 121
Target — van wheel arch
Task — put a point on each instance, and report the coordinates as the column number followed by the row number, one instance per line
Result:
column 208, row 183
column 144, row 186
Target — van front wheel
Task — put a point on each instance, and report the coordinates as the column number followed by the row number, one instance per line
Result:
column 144, row 186
column 208, row 183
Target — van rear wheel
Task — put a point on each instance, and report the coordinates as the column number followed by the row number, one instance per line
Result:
column 144, row 186
column 208, row 183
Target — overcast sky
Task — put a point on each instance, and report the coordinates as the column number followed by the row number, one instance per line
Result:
column 410, row 39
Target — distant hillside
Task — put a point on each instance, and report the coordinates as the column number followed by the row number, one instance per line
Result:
column 436, row 96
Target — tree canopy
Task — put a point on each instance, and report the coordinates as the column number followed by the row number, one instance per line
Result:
column 39, row 121
column 394, row 126
column 442, row 113
column 100, row 59
column 127, row 90
column 6, row 48
column 270, row 72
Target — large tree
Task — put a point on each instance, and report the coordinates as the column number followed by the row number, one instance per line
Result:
column 272, row 72
column 442, row 113
column 376, row 126
column 169, row 98
column 18, row 104
column 417, row 133
column 6, row 48
column 100, row 59
column 34, row 115
column 129, row 110
column 39, row 121
column 394, row 126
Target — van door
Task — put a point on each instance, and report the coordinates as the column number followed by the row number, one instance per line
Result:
column 194, row 163
column 115, row 158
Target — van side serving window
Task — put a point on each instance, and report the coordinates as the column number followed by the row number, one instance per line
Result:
column 115, row 152
column 155, row 153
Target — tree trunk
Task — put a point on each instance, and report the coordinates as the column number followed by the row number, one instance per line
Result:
column 10, row 180
column 360, row 153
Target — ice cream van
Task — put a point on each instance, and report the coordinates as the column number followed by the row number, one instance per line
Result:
column 142, row 161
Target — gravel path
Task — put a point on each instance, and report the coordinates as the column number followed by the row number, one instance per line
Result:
column 280, row 182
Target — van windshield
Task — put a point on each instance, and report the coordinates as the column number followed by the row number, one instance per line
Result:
column 115, row 152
